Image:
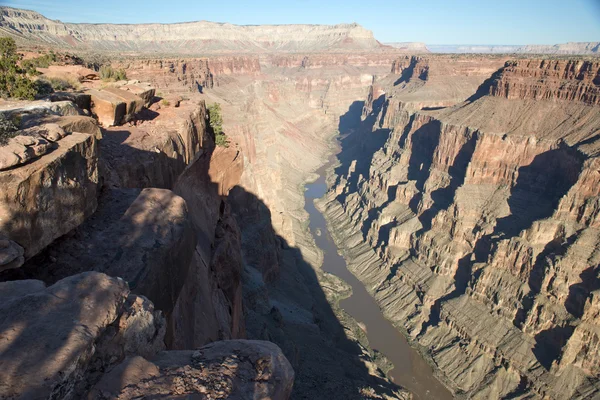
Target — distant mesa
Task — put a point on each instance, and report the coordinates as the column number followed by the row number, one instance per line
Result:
column 30, row 27
column 571, row 48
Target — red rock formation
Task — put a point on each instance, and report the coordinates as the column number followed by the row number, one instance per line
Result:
column 481, row 227
column 575, row 80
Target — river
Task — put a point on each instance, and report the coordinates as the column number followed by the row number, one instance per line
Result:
column 410, row 371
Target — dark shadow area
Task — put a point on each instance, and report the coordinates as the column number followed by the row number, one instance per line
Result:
column 580, row 292
column 360, row 140
column 549, row 343
column 146, row 115
column 327, row 364
column 539, row 188
column 406, row 74
column 433, row 108
column 485, row 88
column 443, row 197
column 536, row 194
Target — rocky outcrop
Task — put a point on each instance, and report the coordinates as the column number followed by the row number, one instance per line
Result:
column 51, row 195
column 475, row 227
column 55, row 324
column 201, row 37
column 235, row 369
column 576, row 81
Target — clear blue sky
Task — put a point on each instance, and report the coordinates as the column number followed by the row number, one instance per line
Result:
column 430, row 21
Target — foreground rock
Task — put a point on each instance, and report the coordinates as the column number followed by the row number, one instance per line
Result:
column 140, row 235
column 236, row 370
column 53, row 339
column 51, row 195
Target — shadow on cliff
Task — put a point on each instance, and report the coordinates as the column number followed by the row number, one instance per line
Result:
column 534, row 197
column 285, row 303
column 360, row 139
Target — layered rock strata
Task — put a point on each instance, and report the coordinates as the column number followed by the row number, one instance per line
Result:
column 201, row 37
column 475, row 227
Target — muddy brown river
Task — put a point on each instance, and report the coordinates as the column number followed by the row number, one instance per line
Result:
column 410, row 369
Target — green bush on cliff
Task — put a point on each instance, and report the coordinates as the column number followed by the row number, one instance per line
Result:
column 8, row 129
column 14, row 81
column 108, row 73
column 39, row 62
column 216, row 123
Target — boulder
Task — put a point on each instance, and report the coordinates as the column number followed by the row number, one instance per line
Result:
column 47, row 337
column 25, row 147
column 11, row 254
column 70, row 124
column 24, row 287
column 108, row 108
column 141, row 236
column 235, row 370
column 26, row 111
column 48, row 197
column 81, row 100
column 143, row 90
column 134, row 104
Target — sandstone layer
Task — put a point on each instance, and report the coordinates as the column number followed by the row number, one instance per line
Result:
column 475, row 226
column 201, row 37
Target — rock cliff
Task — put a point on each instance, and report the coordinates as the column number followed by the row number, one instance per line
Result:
column 119, row 222
column 476, row 225
column 201, row 37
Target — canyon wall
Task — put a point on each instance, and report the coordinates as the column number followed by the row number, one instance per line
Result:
column 475, row 226
column 201, row 37
column 118, row 247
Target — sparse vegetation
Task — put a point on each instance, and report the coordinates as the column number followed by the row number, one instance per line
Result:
column 8, row 129
column 216, row 123
column 58, row 84
column 108, row 73
column 14, row 81
column 165, row 102
column 39, row 62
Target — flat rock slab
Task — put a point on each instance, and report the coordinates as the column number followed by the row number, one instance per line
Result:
column 47, row 337
column 133, row 102
column 70, row 124
column 143, row 90
column 108, row 108
column 48, row 197
column 232, row 369
column 26, row 110
column 143, row 236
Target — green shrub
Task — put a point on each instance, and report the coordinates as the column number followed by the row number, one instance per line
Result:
column 39, row 62
column 108, row 73
column 14, row 81
column 216, row 123
column 59, row 84
column 8, row 129
column 165, row 102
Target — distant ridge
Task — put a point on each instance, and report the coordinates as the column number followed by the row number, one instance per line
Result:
column 185, row 38
column 571, row 48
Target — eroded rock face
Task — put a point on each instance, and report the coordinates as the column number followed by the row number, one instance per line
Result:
column 140, row 235
column 48, row 336
column 201, row 37
column 577, row 81
column 478, row 232
column 236, row 369
column 214, row 282
column 51, row 195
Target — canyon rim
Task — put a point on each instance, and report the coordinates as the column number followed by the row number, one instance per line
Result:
column 218, row 211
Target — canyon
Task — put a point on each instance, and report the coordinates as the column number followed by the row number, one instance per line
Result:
column 461, row 191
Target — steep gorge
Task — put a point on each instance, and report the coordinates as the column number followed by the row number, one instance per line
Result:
column 465, row 199
column 475, row 225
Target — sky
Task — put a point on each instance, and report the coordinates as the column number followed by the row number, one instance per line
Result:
column 430, row 21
